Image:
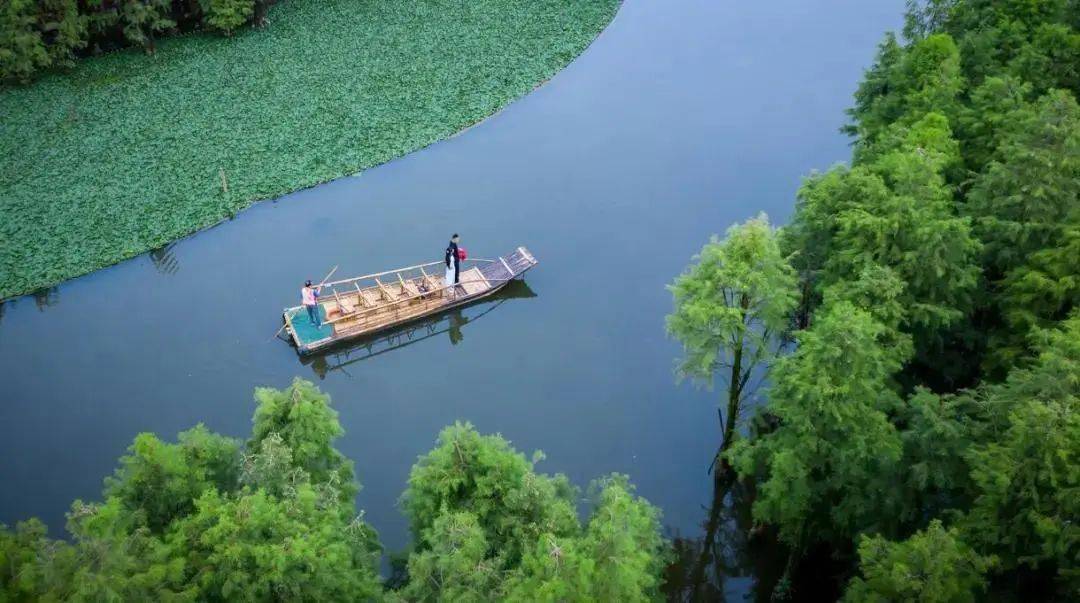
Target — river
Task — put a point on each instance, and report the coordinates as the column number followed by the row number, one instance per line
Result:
column 683, row 117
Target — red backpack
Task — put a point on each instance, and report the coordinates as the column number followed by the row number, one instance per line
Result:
column 461, row 255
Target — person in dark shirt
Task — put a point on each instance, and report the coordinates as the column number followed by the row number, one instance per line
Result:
column 453, row 261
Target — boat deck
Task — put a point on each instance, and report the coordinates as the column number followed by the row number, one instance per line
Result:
column 350, row 309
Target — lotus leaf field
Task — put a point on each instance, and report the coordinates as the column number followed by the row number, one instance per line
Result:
column 126, row 152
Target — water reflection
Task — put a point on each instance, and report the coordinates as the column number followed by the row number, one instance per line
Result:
column 164, row 260
column 450, row 323
column 44, row 298
column 731, row 557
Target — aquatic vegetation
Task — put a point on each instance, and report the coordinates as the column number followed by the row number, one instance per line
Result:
column 127, row 152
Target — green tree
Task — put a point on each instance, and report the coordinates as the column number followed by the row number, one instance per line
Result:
column 306, row 424
column 618, row 558
column 227, row 15
column 906, row 84
column 141, row 20
column 988, row 117
column 731, row 311
column 1023, row 200
column 257, row 547
column 64, row 30
column 162, row 480
column 22, row 51
column 933, row 566
column 485, row 476
column 896, row 213
column 1051, row 59
column 1028, row 478
column 824, row 468
column 1045, row 290
column 457, row 567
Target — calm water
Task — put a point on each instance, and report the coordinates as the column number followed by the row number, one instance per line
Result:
column 684, row 117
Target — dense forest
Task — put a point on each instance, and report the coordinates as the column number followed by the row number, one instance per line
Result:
column 38, row 34
column 210, row 518
column 917, row 323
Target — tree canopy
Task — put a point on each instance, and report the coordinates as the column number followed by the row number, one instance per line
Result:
column 210, row 519
column 924, row 426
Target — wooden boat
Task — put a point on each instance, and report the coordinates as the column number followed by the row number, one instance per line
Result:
column 365, row 305
column 452, row 323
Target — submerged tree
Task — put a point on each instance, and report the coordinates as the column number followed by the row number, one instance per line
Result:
column 732, row 309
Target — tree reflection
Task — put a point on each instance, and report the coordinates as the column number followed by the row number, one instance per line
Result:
column 732, row 559
column 45, row 298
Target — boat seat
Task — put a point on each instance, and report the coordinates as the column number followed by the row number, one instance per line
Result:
column 371, row 298
column 387, row 294
column 346, row 306
column 408, row 287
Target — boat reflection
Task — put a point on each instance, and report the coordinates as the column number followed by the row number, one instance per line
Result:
column 449, row 323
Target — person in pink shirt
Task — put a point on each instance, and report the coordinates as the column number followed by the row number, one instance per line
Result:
column 310, row 297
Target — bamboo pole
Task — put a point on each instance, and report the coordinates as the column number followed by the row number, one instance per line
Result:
column 418, row 266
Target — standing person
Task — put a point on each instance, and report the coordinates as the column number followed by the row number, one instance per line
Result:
column 310, row 297
column 453, row 264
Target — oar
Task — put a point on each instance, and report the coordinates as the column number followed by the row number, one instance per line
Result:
column 282, row 327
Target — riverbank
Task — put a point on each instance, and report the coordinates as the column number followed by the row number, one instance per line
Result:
column 128, row 152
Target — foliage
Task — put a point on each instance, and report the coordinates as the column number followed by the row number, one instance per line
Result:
column 1028, row 478
column 934, row 566
column 161, row 481
column 486, row 526
column 937, row 368
column 823, row 468
column 301, row 418
column 617, row 558
column 141, row 20
column 227, row 15
column 256, row 546
column 1030, row 191
column 22, row 51
column 456, row 567
column 731, row 310
column 128, row 150
column 486, row 476
column 895, row 213
column 204, row 520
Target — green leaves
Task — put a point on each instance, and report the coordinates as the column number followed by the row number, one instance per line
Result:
column 129, row 158
column 1028, row 477
column 934, row 566
column 486, row 526
column 824, row 466
column 487, row 477
column 300, row 419
column 737, row 295
column 227, row 15
column 619, row 556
